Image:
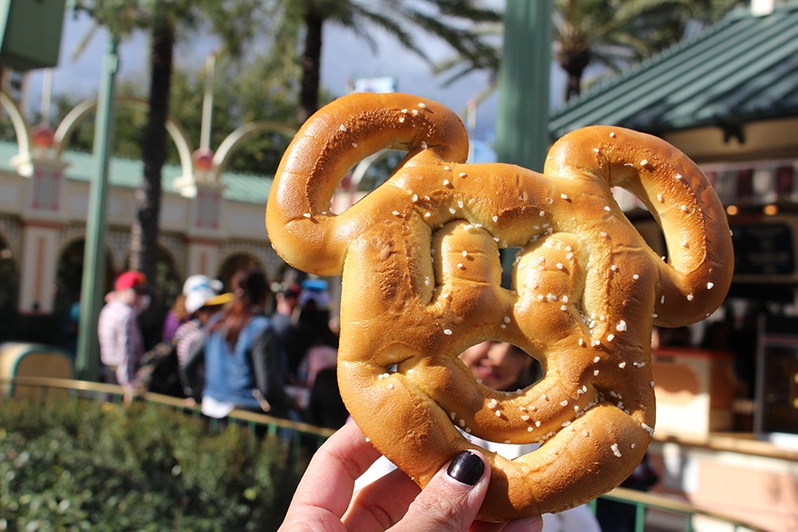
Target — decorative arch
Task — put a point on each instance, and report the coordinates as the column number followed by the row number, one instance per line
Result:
column 21, row 127
column 68, row 281
column 69, row 268
column 169, row 279
column 79, row 113
column 241, row 134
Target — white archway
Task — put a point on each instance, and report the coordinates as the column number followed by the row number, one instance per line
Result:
column 86, row 107
column 21, row 126
column 240, row 135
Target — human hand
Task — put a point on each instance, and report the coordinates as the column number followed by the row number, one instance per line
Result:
column 325, row 498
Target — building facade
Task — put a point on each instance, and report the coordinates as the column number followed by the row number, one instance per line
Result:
column 211, row 223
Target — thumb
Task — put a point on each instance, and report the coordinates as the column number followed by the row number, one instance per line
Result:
column 452, row 498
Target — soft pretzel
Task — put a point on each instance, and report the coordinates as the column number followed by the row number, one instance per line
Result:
column 421, row 281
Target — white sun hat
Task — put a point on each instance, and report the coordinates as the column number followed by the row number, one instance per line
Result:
column 200, row 290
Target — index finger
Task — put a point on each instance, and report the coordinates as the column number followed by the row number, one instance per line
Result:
column 329, row 480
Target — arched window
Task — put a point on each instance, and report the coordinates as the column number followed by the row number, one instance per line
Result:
column 68, row 281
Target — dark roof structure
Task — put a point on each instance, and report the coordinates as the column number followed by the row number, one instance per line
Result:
column 743, row 69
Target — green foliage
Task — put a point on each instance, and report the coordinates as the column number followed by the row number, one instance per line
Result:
column 78, row 464
column 243, row 93
column 449, row 21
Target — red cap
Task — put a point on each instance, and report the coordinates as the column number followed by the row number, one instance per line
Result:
column 131, row 280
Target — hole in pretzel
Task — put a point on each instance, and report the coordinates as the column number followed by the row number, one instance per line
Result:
column 365, row 177
column 501, row 366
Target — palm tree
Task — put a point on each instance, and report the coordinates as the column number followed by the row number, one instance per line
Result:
column 144, row 237
column 615, row 33
column 609, row 33
column 234, row 20
column 451, row 21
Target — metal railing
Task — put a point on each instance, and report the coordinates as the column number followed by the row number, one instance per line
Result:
column 303, row 432
column 643, row 502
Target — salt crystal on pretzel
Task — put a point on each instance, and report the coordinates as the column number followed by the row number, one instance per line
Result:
column 421, row 286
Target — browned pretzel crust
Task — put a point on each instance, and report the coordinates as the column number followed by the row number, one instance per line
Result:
column 421, row 283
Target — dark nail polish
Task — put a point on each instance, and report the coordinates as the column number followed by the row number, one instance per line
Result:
column 466, row 467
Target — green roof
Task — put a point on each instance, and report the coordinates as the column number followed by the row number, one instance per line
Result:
column 247, row 188
column 743, row 69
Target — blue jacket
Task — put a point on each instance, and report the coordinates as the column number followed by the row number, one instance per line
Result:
column 232, row 375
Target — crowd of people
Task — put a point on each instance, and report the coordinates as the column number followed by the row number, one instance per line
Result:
column 249, row 347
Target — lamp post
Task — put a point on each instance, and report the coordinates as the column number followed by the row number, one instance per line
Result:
column 87, row 363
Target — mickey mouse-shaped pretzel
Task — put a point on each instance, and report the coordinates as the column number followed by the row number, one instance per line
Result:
column 421, row 273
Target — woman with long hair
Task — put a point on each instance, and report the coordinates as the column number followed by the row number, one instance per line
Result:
column 241, row 353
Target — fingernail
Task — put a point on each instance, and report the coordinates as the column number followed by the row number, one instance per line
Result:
column 466, row 467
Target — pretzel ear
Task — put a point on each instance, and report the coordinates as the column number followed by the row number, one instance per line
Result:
column 698, row 272
column 303, row 230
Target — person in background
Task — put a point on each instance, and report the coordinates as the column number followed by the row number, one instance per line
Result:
column 325, row 407
column 313, row 329
column 315, row 292
column 500, row 365
column 284, row 323
column 203, row 301
column 176, row 317
column 241, row 354
column 286, row 302
column 121, row 342
column 160, row 370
